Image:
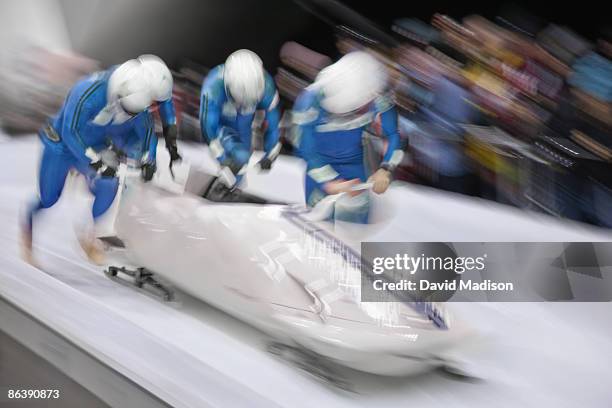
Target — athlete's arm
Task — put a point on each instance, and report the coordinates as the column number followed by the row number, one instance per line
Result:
column 80, row 109
column 270, row 103
column 388, row 118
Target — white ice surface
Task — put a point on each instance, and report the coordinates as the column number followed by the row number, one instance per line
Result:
column 189, row 354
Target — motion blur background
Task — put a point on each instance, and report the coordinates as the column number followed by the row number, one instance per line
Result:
column 505, row 101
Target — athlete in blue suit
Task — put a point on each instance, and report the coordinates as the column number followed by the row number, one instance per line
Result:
column 104, row 113
column 331, row 116
column 231, row 94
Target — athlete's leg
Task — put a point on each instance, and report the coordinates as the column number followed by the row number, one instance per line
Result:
column 104, row 190
column 54, row 168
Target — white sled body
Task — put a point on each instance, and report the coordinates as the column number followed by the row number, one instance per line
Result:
column 291, row 278
column 299, row 280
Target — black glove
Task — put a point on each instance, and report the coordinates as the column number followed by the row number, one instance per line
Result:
column 174, row 155
column 170, row 136
column 147, row 170
column 265, row 164
column 102, row 169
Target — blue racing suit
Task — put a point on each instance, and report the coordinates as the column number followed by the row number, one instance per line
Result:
column 228, row 128
column 76, row 130
column 332, row 145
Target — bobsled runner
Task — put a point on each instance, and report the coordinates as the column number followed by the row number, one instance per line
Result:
column 276, row 268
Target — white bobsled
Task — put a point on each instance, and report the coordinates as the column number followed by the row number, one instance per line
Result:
column 293, row 278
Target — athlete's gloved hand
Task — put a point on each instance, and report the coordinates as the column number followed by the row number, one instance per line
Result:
column 147, row 170
column 170, row 136
column 381, row 179
column 341, row 186
column 104, row 162
column 174, row 155
column 102, row 169
column 227, row 177
column 265, row 164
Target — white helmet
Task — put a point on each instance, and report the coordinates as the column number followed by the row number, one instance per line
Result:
column 137, row 83
column 130, row 86
column 352, row 82
column 244, row 79
column 161, row 85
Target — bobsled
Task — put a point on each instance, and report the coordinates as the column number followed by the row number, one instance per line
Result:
column 276, row 267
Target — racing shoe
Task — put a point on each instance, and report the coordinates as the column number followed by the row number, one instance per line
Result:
column 93, row 248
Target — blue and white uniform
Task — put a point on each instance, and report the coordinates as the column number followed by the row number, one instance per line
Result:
column 86, row 124
column 227, row 126
column 332, row 144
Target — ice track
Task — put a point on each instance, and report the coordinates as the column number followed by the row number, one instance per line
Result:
column 187, row 354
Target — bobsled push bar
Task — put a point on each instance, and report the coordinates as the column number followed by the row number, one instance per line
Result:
column 141, row 277
column 217, row 191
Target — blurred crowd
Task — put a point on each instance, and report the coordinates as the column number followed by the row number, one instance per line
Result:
column 488, row 109
column 493, row 109
column 34, row 82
